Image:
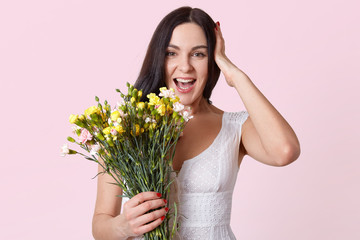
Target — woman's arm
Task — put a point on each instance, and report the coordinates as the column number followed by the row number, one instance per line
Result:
column 109, row 224
column 266, row 135
column 107, row 208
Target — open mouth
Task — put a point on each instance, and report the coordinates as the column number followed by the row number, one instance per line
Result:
column 184, row 85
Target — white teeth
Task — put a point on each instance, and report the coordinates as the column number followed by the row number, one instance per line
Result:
column 184, row 88
column 184, row 80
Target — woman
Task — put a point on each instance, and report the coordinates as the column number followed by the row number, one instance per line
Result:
column 186, row 53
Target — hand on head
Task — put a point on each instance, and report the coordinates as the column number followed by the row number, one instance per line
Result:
column 223, row 62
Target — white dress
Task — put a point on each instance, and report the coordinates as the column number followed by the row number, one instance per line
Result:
column 204, row 186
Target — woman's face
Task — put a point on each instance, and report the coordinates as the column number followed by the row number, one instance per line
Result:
column 186, row 63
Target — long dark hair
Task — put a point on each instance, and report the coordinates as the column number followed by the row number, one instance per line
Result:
column 152, row 73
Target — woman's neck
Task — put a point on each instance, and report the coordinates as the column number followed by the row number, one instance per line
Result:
column 201, row 105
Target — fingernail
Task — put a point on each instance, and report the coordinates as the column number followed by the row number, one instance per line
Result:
column 216, row 28
column 218, row 23
column 165, row 201
column 162, row 218
column 158, row 194
column 166, row 209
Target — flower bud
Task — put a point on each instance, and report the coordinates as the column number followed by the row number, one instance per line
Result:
column 96, row 99
column 70, row 139
column 100, row 136
column 110, row 142
column 72, row 151
column 134, row 93
column 78, row 132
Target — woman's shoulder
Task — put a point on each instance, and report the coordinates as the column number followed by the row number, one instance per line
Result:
column 216, row 110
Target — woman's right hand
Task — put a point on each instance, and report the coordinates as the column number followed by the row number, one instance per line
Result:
column 136, row 220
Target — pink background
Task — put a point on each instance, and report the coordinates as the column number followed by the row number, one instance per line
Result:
column 55, row 56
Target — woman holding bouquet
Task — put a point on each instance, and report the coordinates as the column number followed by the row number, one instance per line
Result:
column 187, row 53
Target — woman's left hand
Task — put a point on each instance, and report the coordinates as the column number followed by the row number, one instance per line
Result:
column 223, row 62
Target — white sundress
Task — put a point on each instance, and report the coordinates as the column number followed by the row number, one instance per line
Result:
column 204, row 186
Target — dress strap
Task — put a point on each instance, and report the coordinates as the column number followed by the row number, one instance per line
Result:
column 238, row 117
column 236, row 120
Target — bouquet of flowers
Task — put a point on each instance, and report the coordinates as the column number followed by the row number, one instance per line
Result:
column 134, row 143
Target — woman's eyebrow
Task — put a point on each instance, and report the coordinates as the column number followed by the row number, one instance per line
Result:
column 194, row 48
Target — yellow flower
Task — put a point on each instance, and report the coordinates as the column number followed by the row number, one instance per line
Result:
column 114, row 116
column 119, row 129
column 132, row 99
column 140, row 94
column 92, row 110
column 73, row 118
column 81, row 117
column 163, row 89
column 138, row 130
column 141, row 105
column 161, row 109
column 174, row 100
column 153, row 99
column 107, row 130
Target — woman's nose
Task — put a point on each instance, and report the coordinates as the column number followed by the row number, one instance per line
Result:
column 185, row 64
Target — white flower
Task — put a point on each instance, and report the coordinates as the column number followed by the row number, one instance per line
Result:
column 177, row 107
column 64, row 150
column 94, row 149
column 150, row 120
column 75, row 128
column 186, row 115
column 167, row 93
column 120, row 102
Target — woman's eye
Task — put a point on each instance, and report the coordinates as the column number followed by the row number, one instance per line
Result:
column 199, row 54
column 170, row 54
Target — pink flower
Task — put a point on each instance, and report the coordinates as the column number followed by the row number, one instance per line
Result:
column 113, row 132
column 85, row 136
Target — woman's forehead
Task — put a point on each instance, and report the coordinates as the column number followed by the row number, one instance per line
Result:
column 188, row 34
